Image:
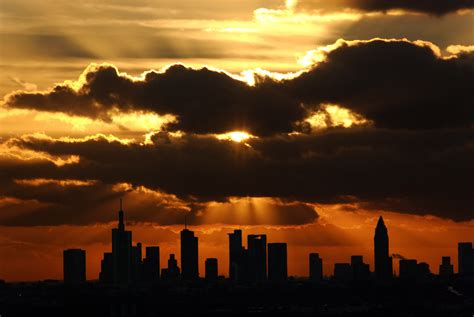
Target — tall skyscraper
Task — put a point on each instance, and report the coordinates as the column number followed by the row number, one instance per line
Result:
column 74, row 266
column 277, row 262
column 383, row 263
column 121, row 252
column 236, row 256
column 257, row 257
column 189, row 255
column 315, row 267
column 137, row 265
column 211, row 270
column 465, row 258
column 151, row 264
column 446, row 269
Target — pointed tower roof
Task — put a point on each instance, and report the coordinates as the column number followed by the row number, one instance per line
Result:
column 380, row 226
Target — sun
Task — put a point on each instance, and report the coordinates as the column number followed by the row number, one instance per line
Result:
column 236, row 136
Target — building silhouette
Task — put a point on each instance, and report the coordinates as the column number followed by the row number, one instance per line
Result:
column 237, row 257
column 465, row 258
column 211, row 270
column 410, row 269
column 360, row 270
column 189, row 255
column 74, row 266
column 383, row 262
column 446, row 269
column 121, row 252
column 124, row 264
column 257, row 257
column 151, row 264
column 315, row 267
column 172, row 272
column 277, row 262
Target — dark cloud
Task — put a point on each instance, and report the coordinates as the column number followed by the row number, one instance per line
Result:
column 394, row 83
column 420, row 172
column 433, row 7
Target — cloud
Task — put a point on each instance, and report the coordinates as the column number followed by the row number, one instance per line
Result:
column 393, row 83
column 407, row 171
column 432, row 7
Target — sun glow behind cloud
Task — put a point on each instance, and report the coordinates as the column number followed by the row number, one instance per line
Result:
column 235, row 136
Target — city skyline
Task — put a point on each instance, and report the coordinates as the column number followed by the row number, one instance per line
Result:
column 257, row 263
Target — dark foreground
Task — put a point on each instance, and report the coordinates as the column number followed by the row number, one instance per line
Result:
column 295, row 298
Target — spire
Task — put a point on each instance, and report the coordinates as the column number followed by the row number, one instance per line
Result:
column 380, row 222
column 121, row 225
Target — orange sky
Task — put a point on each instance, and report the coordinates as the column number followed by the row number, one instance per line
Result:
column 36, row 253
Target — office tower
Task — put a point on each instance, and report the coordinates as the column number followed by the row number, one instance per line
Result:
column 408, row 269
column 106, row 266
column 257, row 257
column 151, row 264
column 211, row 270
column 343, row 272
column 189, row 255
column 277, row 262
column 74, row 265
column 172, row 272
column 315, row 267
column 121, row 252
column 236, row 256
column 465, row 258
column 383, row 263
column 360, row 270
column 446, row 269
column 137, row 266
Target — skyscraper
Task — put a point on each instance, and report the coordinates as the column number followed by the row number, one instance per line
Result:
column 257, row 257
column 383, row 263
column 137, row 265
column 465, row 258
column 277, row 262
column 211, row 270
column 106, row 274
column 236, row 256
column 189, row 255
column 315, row 267
column 74, row 265
column 151, row 264
column 121, row 252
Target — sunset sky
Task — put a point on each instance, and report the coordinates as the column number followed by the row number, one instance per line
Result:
column 305, row 120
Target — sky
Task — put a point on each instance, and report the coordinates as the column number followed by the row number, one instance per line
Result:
column 304, row 120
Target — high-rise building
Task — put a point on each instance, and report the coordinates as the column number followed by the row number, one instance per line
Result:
column 465, row 258
column 172, row 272
column 383, row 262
column 211, row 270
column 360, row 270
column 121, row 252
column 137, row 265
column 257, row 257
column 189, row 255
column 106, row 275
column 315, row 267
column 277, row 262
column 74, row 264
column 237, row 265
column 446, row 269
column 151, row 264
